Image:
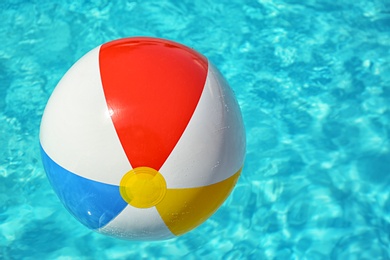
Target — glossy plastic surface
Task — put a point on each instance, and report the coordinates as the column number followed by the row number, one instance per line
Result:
column 159, row 83
column 142, row 139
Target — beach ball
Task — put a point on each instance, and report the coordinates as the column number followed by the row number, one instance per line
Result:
column 142, row 139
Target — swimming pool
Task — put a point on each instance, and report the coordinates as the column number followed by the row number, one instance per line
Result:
column 313, row 83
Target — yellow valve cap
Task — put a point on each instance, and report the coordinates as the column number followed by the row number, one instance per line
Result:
column 143, row 187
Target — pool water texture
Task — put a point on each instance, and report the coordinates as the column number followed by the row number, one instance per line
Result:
column 313, row 82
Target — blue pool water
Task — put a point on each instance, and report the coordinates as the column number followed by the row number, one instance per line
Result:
column 313, row 82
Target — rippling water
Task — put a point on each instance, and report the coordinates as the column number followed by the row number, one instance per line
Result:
column 313, row 82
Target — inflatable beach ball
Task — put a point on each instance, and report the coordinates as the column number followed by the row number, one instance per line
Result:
column 142, row 139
